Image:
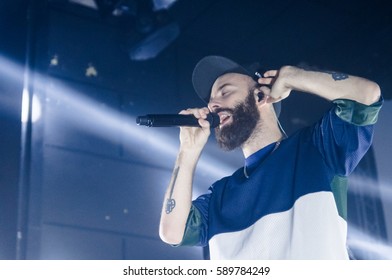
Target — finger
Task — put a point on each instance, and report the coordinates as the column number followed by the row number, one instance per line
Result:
column 271, row 73
column 203, row 112
column 265, row 81
column 191, row 111
column 204, row 123
column 186, row 112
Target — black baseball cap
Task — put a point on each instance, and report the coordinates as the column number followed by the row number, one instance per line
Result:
column 210, row 68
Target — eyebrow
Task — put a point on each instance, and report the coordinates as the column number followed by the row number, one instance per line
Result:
column 224, row 85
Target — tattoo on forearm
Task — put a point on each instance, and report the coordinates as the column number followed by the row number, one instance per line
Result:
column 170, row 202
column 338, row 76
column 335, row 75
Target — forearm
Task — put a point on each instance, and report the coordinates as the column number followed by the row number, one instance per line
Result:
column 331, row 85
column 178, row 198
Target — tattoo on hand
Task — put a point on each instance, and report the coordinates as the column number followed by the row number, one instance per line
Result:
column 170, row 202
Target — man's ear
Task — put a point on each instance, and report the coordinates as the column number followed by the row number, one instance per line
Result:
column 260, row 96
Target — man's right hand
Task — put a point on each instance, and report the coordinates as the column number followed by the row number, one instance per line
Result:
column 195, row 138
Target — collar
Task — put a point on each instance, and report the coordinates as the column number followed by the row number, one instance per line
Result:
column 260, row 155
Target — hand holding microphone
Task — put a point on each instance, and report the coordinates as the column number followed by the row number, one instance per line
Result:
column 194, row 126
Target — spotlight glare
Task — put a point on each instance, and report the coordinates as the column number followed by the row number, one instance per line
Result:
column 35, row 107
column 361, row 242
column 25, row 106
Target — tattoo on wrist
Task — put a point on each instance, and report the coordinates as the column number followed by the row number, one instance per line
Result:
column 170, row 202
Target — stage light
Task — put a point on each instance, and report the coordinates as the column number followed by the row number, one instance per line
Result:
column 35, row 107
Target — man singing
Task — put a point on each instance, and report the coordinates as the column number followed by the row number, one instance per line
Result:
column 288, row 201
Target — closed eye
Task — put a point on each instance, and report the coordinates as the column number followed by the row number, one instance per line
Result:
column 226, row 89
column 227, row 92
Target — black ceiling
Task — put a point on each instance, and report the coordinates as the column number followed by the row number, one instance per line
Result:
column 353, row 36
column 348, row 36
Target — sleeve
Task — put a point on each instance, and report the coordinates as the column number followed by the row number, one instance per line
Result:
column 345, row 134
column 196, row 229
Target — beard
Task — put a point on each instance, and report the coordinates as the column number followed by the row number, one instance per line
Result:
column 245, row 117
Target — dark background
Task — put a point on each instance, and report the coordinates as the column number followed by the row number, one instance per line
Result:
column 79, row 180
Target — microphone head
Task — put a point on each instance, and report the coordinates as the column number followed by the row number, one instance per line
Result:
column 213, row 119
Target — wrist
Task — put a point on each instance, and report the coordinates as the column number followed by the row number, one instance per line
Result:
column 293, row 77
column 188, row 156
column 289, row 74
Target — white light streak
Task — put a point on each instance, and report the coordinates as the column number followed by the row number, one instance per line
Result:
column 368, row 244
column 371, row 188
column 25, row 106
column 36, row 107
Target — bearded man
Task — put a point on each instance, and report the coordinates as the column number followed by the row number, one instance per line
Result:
column 288, row 201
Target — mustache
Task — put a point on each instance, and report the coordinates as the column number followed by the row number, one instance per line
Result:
column 229, row 110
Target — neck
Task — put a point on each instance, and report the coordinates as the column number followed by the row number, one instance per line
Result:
column 262, row 136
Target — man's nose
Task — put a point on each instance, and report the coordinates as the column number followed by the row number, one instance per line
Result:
column 213, row 104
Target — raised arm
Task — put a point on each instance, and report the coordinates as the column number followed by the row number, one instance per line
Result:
column 329, row 85
column 178, row 198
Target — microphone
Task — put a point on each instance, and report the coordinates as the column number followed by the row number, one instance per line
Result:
column 169, row 120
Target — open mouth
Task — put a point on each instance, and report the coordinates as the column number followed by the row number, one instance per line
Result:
column 225, row 118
